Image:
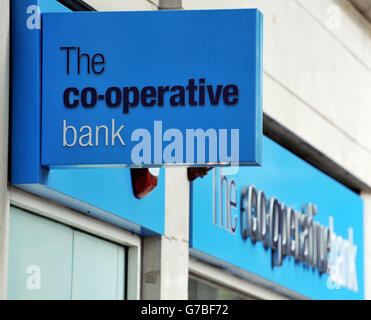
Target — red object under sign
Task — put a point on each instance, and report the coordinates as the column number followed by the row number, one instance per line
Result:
column 143, row 182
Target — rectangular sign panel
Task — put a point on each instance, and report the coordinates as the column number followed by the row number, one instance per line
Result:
column 286, row 225
column 151, row 88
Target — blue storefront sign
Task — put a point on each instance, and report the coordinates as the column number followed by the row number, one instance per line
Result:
column 106, row 90
column 286, row 225
column 151, row 88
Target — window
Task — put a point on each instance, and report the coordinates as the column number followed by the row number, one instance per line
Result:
column 204, row 290
column 48, row 260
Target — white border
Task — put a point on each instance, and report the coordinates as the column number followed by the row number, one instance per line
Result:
column 67, row 216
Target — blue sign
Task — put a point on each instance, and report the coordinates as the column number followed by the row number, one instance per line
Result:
column 286, row 225
column 151, row 88
column 104, row 193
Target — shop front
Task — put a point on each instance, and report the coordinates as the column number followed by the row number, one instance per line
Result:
column 277, row 228
column 74, row 233
column 285, row 226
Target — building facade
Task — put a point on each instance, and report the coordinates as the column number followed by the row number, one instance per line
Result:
column 81, row 233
